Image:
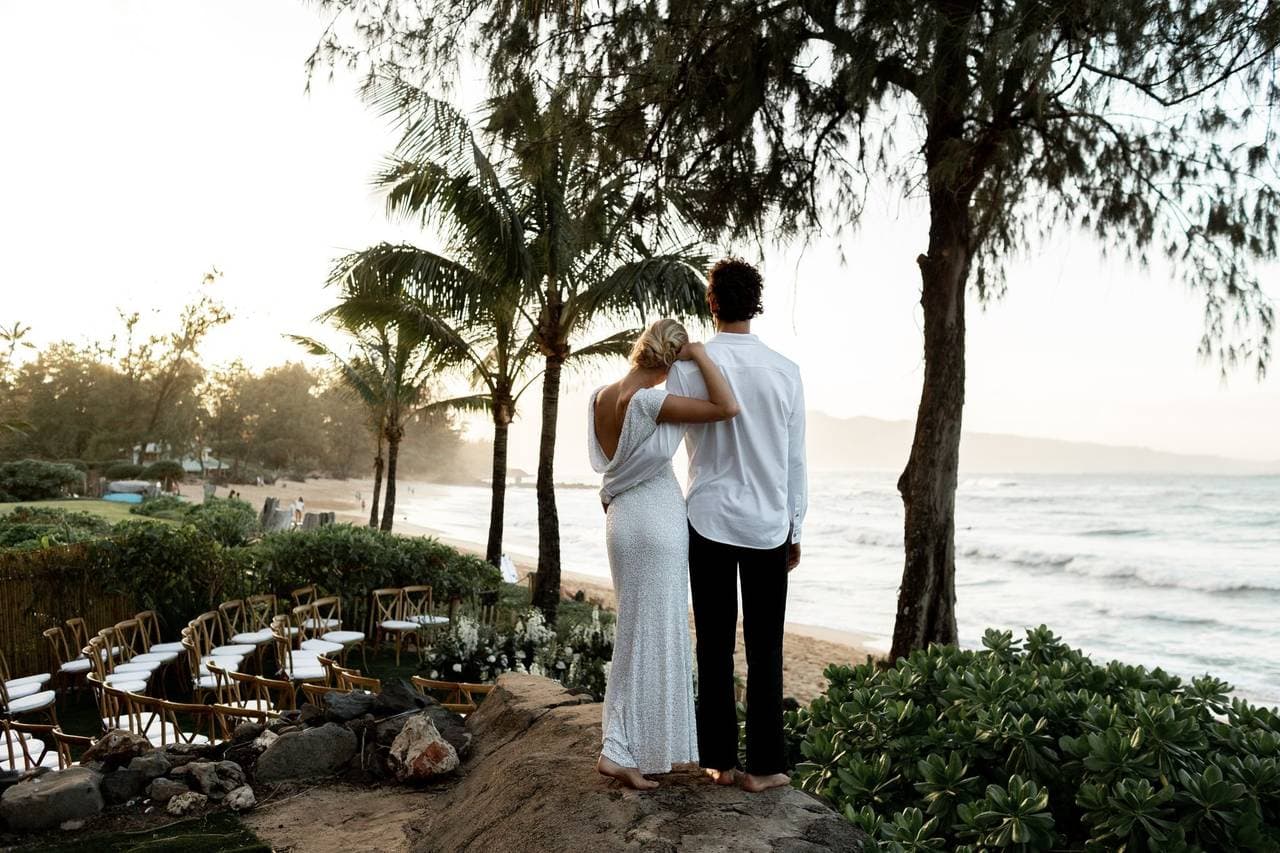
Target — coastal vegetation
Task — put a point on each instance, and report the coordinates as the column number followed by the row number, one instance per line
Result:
column 1029, row 745
column 1012, row 120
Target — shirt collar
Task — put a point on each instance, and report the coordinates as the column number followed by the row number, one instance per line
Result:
column 735, row 338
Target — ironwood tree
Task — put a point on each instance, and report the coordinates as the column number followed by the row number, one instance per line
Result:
column 1145, row 123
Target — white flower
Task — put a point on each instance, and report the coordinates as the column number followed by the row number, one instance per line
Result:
column 559, row 664
column 435, row 674
column 457, row 667
column 568, row 650
column 491, row 659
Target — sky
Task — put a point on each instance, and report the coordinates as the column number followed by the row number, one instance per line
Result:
column 160, row 139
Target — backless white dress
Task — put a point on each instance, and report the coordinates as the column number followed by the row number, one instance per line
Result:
column 648, row 704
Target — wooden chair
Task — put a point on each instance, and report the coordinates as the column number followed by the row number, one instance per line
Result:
column 104, row 668
column 149, row 622
column 27, row 685
column 203, row 680
column 238, row 629
column 68, row 669
column 354, row 681
column 26, row 746
column 252, row 692
column 297, row 666
column 320, row 626
column 176, row 722
column 227, row 717
column 304, row 594
column 68, row 746
column 420, row 607
column 120, row 663
column 79, row 632
column 120, row 709
column 259, row 611
column 454, row 695
column 386, row 617
column 213, row 642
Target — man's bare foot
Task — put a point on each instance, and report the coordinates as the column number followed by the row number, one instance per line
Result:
column 756, row 784
column 628, row 776
column 722, row 777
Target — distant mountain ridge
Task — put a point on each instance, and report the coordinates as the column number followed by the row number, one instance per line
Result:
column 864, row 442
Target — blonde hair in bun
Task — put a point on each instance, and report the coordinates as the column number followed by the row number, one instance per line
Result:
column 658, row 345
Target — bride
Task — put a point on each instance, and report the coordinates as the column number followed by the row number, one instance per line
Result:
column 634, row 429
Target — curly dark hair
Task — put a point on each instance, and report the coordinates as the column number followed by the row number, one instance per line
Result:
column 733, row 289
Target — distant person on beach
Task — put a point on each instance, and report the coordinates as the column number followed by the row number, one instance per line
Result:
column 298, row 509
column 634, row 429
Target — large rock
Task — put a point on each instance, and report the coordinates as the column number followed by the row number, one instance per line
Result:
column 50, row 800
column 398, row 696
column 241, row 799
column 163, row 790
column 215, row 779
column 122, row 785
column 151, row 765
column 306, row 754
column 116, row 748
column 530, row 784
column 421, row 753
column 185, row 804
column 341, row 707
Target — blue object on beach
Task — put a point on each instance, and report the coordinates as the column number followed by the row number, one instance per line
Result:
column 123, row 498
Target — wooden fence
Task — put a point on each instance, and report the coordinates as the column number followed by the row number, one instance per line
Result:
column 42, row 590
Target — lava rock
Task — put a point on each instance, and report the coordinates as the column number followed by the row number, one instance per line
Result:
column 151, row 765
column 396, row 697
column 214, row 779
column 247, row 731
column 185, row 804
column 265, row 740
column 117, row 748
column 307, row 753
column 341, row 707
column 52, row 799
column 162, row 790
column 122, row 785
column 241, row 799
column 420, row 752
column 312, row 715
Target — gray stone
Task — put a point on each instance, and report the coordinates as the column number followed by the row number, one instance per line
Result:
column 162, row 790
column 241, row 799
column 265, row 740
column 117, row 748
column 122, row 785
column 185, row 804
column 307, row 753
column 151, row 765
column 420, row 753
column 341, row 707
column 247, row 731
column 52, row 799
column 398, row 696
column 312, row 715
column 214, row 778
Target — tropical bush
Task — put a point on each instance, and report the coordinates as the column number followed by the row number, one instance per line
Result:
column 228, row 521
column 40, row 526
column 122, row 471
column 34, row 480
column 578, row 654
column 1030, row 746
column 166, row 471
column 163, row 506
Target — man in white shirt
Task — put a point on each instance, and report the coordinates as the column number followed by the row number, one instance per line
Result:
column 747, row 499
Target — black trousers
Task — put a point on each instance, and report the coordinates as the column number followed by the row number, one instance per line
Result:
column 714, row 569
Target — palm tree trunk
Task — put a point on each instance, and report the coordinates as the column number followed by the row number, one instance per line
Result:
column 498, row 499
column 927, row 597
column 377, row 483
column 394, row 434
column 547, row 598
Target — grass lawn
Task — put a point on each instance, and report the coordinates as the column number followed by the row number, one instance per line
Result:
column 110, row 510
column 219, row 831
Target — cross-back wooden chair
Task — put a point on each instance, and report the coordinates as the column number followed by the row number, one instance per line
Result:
column 69, row 746
column 26, row 746
column 260, row 610
column 70, row 669
column 386, row 618
column 104, row 669
column 23, row 686
column 79, row 632
column 297, row 666
column 128, row 635
column 227, row 717
column 420, row 607
column 238, row 629
column 257, row 692
column 457, row 696
column 120, row 664
column 321, row 621
column 203, row 680
column 211, row 640
column 178, row 722
column 304, row 594
column 355, row 681
column 149, row 621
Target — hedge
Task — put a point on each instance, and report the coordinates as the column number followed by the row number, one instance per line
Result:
column 34, row 480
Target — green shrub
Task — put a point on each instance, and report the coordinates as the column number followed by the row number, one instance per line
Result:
column 123, row 471
column 166, row 471
column 1031, row 747
column 34, row 480
column 41, row 526
column 79, row 464
column 230, row 521
column 164, row 506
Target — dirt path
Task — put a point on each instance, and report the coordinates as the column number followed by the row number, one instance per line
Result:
column 339, row 818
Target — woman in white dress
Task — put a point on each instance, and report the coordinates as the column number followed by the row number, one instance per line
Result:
column 634, row 429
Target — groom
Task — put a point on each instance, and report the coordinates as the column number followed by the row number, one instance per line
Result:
column 747, row 497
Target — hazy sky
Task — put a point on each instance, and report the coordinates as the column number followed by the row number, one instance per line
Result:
column 146, row 141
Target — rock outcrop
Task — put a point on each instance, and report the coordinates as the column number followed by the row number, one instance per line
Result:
column 52, row 800
column 530, row 784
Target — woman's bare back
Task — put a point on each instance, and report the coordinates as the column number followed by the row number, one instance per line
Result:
column 610, row 414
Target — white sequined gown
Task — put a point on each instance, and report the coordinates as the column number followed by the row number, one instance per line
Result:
column 648, row 704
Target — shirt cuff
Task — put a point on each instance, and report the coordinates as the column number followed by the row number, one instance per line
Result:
column 794, row 539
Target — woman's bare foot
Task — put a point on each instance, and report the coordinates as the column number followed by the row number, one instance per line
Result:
column 756, row 784
column 628, row 776
column 722, row 777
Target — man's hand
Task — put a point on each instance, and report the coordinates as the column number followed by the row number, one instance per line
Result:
column 793, row 556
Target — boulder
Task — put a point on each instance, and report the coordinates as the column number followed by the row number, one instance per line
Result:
column 530, row 784
column 117, row 748
column 185, row 804
column 247, row 731
column 309, row 715
column 306, row 753
column 151, row 764
column 52, row 799
column 123, row 785
column 397, row 697
column 420, row 753
column 215, row 779
column 163, row 790
column 341, row 707
column 241, row 799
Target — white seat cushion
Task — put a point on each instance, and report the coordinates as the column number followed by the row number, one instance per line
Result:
column 239, row 650
column 252, row 638
column 14, row 737
column 141, row 666
column 228, row 664
column 161, row 658
column 346, row 637
column 323, row 624
column 306, row 674
column 76, row 666
column 397, row 625
column 46, row 758
column 18, row 691
column 429, row 619
column 321, row 646
column 34, row 702
column 123, row 683
column 42, row 678
column 166, row 647
column 205, row 682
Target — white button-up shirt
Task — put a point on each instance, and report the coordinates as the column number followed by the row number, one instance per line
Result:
column 747, row 481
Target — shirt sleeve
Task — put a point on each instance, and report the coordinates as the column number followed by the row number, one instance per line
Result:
column 797, row 475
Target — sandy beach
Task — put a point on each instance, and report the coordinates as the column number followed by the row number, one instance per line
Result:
column 809, row 649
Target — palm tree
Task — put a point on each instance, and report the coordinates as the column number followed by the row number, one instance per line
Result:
column 495, row 347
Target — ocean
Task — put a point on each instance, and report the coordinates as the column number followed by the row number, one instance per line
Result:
column 1181, row 572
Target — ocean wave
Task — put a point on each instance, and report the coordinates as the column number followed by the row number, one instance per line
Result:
column 1116, row 531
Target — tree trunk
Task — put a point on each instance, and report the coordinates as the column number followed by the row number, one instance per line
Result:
column 498, row 500
column 377, row 483
column 547, row 598
column 394, row 434
column 926, row 599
